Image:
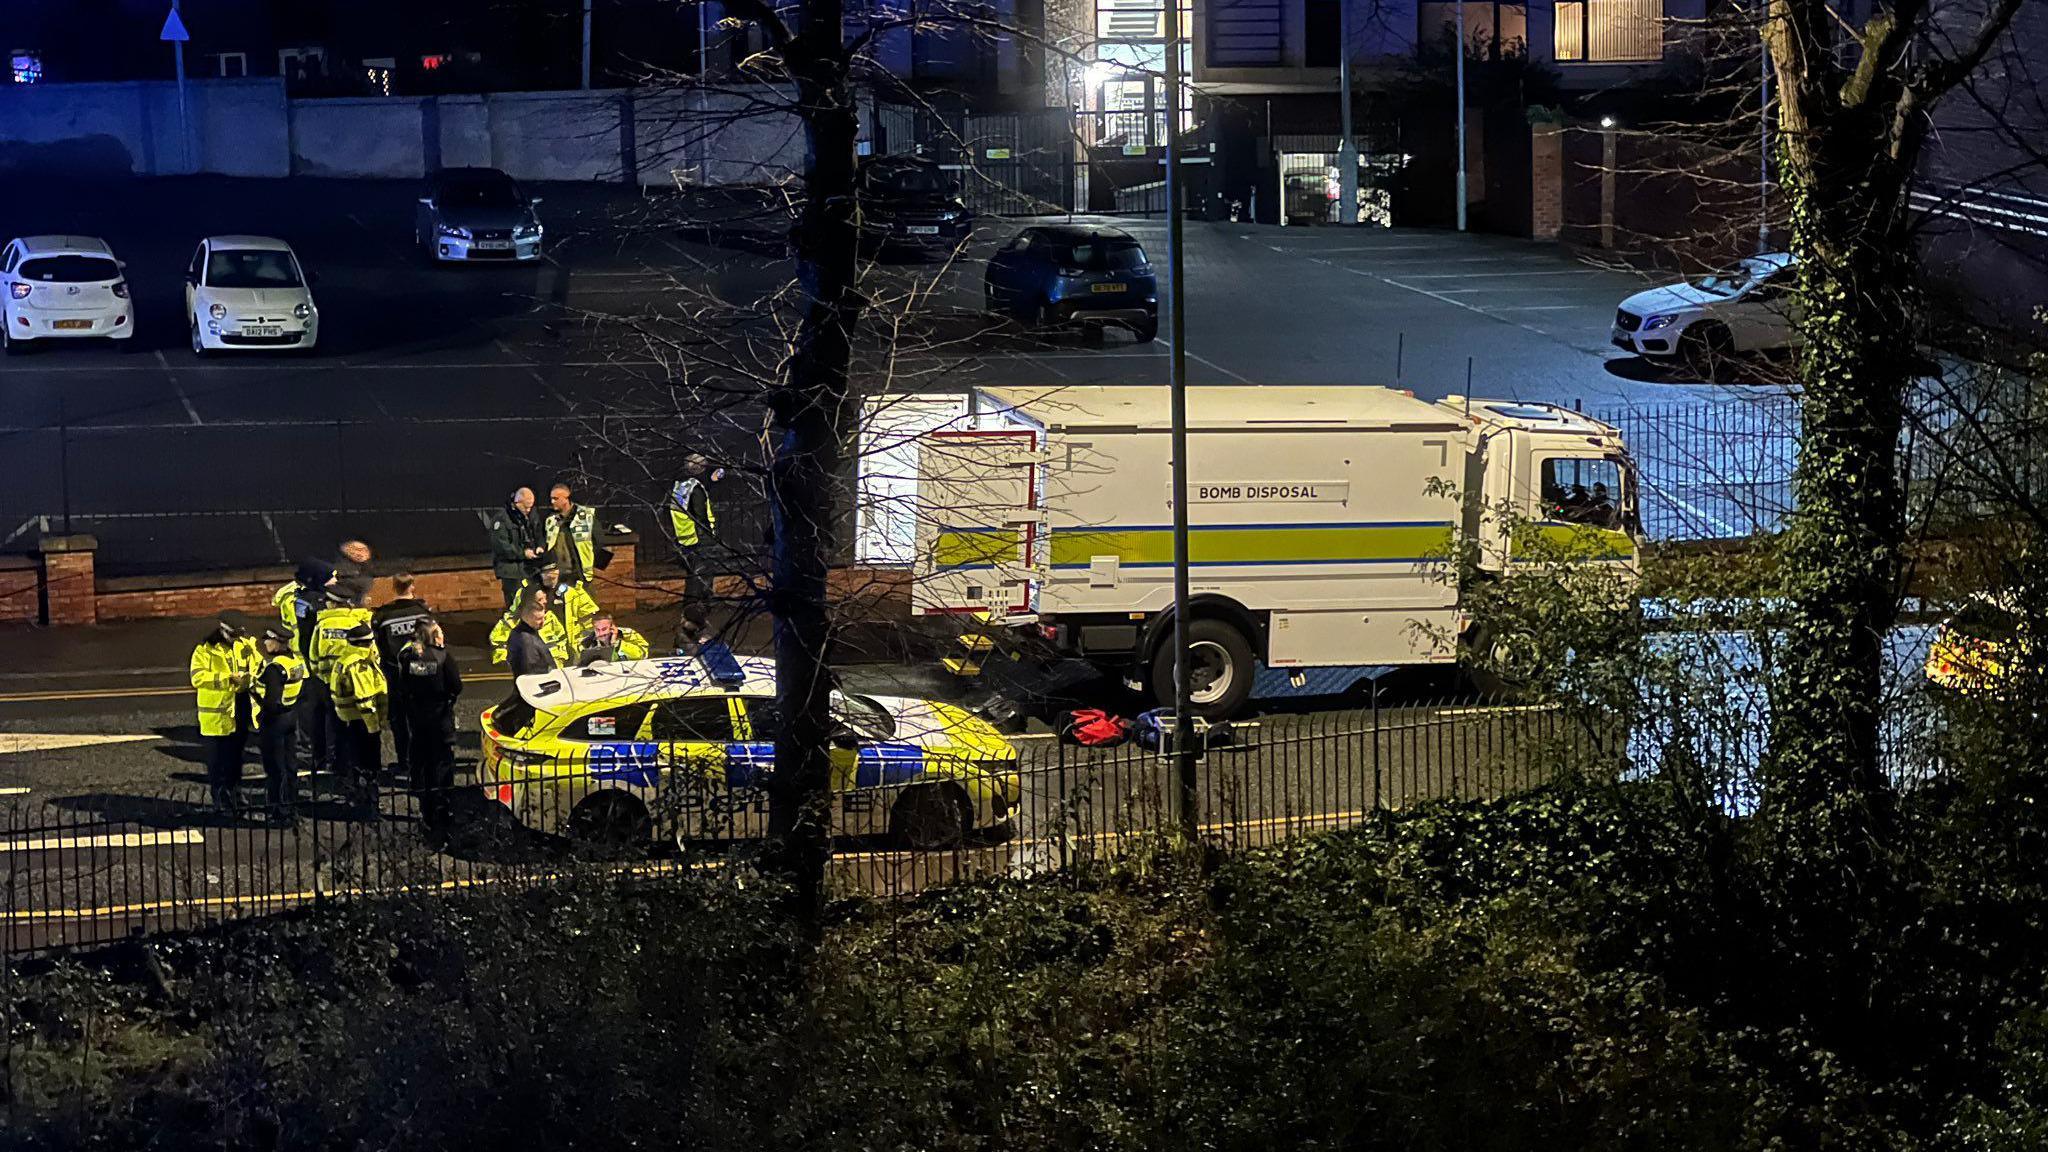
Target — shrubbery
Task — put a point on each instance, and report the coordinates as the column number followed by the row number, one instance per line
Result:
column 1575, row 968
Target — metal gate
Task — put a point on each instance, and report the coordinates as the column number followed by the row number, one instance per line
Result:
column 1008, row 163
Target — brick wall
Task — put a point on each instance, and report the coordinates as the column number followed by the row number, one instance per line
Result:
column 62, row 582
column 21, row 590
column 68, row 589
column 1546, row 181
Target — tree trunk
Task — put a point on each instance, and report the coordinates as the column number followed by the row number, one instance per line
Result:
column 808, row 417
column 1842, row 559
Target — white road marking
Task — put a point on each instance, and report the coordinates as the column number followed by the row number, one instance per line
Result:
column 534, row 371
column 1491, row 275
column 18, row 743
column 172, row 377
column 127, row 840
column 1200, row 359
column 329, row 366
column 1547, row 307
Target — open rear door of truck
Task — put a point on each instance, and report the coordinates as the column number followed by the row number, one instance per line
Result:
column 979, row 540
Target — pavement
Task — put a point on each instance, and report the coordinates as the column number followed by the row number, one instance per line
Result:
column 646, row 334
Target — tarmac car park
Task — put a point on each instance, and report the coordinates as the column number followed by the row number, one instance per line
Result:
column 622, row 752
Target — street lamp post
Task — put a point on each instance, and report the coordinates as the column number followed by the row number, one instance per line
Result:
column 1347, row 149
column 586, row 44
column 1177, row 380
column 1460, row 49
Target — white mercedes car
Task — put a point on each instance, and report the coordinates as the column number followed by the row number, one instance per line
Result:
column 58, row 287
column 1748, row 308
column 248, row 292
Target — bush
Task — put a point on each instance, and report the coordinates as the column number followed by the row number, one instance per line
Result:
column 1582, row 968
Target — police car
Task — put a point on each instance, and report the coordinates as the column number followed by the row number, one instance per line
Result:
column 1974, row 649
column 682, row 746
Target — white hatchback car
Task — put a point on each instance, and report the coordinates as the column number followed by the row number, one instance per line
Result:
column 1748, row 308
column 248, row 292
column 56, row 287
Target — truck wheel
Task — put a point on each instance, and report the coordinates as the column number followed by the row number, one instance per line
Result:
column 929, row 817
column 1221, row 669
column 610, row 820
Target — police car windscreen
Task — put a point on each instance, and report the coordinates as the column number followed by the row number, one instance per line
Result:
column 70, row 269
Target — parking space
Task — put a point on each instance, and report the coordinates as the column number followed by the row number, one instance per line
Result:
column 472, row 379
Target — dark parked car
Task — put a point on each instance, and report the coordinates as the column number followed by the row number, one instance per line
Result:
column 476, row 214
column 907, row 202
column 1075, row 274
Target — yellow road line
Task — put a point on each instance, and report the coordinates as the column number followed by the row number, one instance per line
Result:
column 126, row 840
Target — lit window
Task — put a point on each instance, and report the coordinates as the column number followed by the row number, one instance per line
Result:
column 1609, row 31
column 28, row 67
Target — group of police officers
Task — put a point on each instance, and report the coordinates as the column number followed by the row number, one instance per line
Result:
column 337, row 674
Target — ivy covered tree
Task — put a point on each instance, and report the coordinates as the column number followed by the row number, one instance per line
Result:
column 1855, row 101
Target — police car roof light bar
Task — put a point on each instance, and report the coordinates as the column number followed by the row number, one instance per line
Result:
column 722, row 666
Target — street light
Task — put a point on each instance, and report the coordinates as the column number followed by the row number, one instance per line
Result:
column 1460, row 48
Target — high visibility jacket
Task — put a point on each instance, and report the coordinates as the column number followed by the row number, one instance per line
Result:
column 294, row 675
column 218, row 677
column 360, row 689
column 330, row 637
column 581, row 524
column 691, row 525
column 570, row 613
column 627, row 645
column 285, row 600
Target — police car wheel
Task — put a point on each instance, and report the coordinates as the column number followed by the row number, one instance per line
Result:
column 930, row 816
column 610, row 820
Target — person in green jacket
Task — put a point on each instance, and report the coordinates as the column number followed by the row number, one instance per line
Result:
column 516, row 543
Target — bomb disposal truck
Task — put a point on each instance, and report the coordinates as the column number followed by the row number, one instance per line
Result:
column 1321, row 520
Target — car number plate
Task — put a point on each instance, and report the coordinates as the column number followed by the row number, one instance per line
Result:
column 494, row 245
column 71, row 324
column 262, row 330
column 923, row 229
column 1107, row 287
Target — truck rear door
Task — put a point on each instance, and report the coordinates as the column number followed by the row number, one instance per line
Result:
column 979, row 541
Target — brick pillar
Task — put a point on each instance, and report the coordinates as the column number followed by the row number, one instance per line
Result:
column 618, row 585
column 69, row 593
column 1546, row 181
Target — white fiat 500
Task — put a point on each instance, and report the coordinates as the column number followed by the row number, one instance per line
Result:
column 54, row 287
column 248, row 292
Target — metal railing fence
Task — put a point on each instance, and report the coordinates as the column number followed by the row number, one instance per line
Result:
column 94, row 868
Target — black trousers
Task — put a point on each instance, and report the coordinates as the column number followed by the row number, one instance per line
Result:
column 510, row 586
column 360, row 752
column 401, row 728
column 696, row 601
column 224, row 765
column 277, row 742
column 317, row 723
column 432, row 756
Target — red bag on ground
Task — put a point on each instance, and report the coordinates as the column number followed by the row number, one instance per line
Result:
column 1094, row 728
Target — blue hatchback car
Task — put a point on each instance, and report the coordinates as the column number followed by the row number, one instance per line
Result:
column 1075, row 274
